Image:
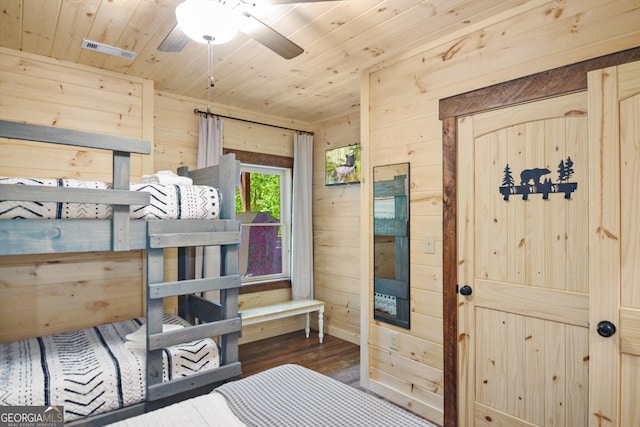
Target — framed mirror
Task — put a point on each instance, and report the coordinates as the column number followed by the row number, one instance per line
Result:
column 391, row 244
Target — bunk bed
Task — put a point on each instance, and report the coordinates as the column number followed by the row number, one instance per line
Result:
column 199, row 319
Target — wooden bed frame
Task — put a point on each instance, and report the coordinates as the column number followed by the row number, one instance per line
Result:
column 122, row 234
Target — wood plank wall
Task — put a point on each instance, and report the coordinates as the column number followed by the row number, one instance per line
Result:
column 336, row 233
column 402, row 125
column 92, row 287
column 176, row 145
column 336, row 210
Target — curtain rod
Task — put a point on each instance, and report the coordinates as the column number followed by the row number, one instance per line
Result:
column 207, row 113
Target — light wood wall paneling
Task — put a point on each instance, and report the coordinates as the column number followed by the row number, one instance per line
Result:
column 273, row 328
column 336, row 225
column 422, row 394
column 427, row 277
column 331, row 282
column 259, row 299
column 427, row 327
column 92, row 288
column 411, row 372
column 409, row 347
column 176, row 129
column 414, row 402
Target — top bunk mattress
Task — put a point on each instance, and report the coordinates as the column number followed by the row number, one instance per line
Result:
column 167, row 201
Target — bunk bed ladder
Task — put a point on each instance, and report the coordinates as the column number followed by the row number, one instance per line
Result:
column 216, row 320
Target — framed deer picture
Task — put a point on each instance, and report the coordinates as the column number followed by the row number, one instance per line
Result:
column 342, row 165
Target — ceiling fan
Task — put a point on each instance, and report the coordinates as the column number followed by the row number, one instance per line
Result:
column 232, row 15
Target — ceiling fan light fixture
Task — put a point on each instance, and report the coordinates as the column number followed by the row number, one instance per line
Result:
column 207, row 21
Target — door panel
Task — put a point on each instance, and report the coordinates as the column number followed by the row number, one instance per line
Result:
column 531, row 369
column 614, row 101
column 566, row 307
column 629, row 93
column 523, row 333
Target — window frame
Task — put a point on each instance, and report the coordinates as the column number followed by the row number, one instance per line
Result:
column 251, row 157
column 286, row 195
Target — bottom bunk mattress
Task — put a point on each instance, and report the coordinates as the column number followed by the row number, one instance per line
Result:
column 93, row 370
column 285, row 396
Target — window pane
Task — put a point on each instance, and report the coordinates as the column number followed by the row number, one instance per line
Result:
column 259, row 206
column 261, row 251
column 259, row 192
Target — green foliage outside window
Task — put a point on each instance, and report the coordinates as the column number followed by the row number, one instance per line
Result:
column 264, row 194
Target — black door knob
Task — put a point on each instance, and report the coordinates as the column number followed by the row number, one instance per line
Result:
column 466, row 290
column 606, row 329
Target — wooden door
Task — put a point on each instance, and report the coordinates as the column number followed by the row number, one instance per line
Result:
column 614, row 116
column 550, row 333
column 523, row 235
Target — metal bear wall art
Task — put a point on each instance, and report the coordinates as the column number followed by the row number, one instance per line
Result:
column 532, row 182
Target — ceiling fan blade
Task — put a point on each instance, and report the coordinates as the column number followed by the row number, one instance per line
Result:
column 269, row 37
column 175, row 41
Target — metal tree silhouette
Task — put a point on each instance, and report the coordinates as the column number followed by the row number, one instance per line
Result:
column 507, row 180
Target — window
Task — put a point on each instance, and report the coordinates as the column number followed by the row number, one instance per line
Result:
column 263, row 204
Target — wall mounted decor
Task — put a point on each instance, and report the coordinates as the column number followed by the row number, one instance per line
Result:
column 531, row 182
column 391, row 244
column 342, row 165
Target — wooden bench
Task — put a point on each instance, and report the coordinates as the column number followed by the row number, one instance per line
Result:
column 251, row 316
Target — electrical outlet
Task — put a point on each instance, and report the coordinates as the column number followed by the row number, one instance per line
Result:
column 393, row 340
column 429, row 244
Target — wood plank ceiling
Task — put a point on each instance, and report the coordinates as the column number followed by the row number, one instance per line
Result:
column 340, row 38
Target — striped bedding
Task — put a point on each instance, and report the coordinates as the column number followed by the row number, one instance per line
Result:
column 92, row 370
column 284, row 396
column 168, row 201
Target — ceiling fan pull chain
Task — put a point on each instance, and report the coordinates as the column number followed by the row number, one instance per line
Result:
column 210, row 81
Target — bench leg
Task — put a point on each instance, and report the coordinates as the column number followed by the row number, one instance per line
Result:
column 321, row 323
column 307, row 328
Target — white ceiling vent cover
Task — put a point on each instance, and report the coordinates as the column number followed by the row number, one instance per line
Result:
column 109, row 50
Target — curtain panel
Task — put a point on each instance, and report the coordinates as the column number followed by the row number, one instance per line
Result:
column 302, row 224
column 209, row 152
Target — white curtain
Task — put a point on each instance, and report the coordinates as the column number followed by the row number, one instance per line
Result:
column 209, row 152
column 302, row 227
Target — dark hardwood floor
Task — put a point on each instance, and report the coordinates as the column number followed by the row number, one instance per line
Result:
column 334, row 357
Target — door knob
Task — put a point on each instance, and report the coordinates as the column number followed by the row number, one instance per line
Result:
column 466, row 290
column 606, row 329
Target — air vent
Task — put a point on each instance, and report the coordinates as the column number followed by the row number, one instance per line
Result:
column 109, row 50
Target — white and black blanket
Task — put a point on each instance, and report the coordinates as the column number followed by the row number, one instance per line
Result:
column 167, row 201
column 91, row 371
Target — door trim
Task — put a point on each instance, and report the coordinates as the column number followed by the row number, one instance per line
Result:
column 559, row 81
